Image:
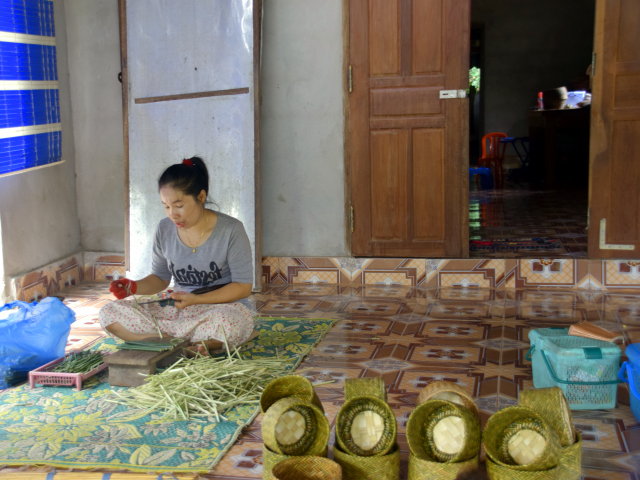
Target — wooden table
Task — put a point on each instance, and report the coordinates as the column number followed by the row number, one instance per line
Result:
column 560, row 145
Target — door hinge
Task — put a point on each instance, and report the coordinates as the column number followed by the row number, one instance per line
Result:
column 350, row 78
column 352, row 221
column 593, row 64
column 603, row 245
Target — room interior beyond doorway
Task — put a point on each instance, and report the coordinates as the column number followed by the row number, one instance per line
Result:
column 542, row 209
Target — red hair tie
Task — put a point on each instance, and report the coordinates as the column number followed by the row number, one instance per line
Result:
column 187, row 162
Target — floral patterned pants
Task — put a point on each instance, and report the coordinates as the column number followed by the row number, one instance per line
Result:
column 230, row 322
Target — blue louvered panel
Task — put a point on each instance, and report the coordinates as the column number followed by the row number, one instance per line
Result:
column 19, row 61
column 36, row 107
column 18, row 153
column 28, row 107
column 32, row 17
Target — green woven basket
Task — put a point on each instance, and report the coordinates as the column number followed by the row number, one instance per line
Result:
column 421, row 469
column 289, row 386
column 366, row 426
column 270, row 459
column 380, row 467
column 502, row 472
column 365, row 387
column 446, row 390
column 307, row 467
column 519, row 438
column 441, row 431
column 552, row 405
column 570, row 465
column 294, row 427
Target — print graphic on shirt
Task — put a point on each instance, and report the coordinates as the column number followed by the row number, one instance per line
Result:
column 191, row 277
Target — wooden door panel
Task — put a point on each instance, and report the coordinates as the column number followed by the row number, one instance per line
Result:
column 615, row 130
column 384, row 47
column 622, row 223
column 405, row 101
column 388, row 178
column 427, row 48
column 428, row 184
column 406, row 146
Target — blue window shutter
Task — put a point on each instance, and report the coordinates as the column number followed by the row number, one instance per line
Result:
column 30, row 130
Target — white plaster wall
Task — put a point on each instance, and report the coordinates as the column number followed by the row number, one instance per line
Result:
column 302, row 129
column 38, row 207
column 96, row 102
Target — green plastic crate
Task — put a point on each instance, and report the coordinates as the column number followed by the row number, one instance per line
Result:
column 585, row 369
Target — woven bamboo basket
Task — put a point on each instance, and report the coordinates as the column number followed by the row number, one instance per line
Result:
column 444, row 390
column 307, row 467
column 289, row 386
column 380, row 467
column 270, row 459
column 552, row 405
column 421, row 469
column 570, row 465
column 293, row 427
column 441, row 431
column 519, row 438
column 502, row 472
column 367, row 387
column 366, row 426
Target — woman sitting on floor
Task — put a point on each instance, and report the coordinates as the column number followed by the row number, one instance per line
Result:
column 198, row 248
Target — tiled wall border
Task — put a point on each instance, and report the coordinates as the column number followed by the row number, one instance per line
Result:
column 610, row 276
column 79, row 267
column 563, row 273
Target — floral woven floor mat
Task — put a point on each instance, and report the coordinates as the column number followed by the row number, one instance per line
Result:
column 64, row 427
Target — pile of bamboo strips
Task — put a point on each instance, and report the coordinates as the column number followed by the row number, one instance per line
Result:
column 204, row 386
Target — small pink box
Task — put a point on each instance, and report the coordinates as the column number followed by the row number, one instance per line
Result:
column 60, row 379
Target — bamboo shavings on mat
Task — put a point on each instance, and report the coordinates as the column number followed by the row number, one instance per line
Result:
column 204, row 386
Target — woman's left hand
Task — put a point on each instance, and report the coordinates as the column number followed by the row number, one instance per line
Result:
column 184, row 299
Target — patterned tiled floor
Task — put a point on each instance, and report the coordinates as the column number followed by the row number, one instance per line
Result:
column 521, row 212
column 410, row 336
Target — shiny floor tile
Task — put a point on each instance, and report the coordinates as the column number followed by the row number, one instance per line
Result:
column 412, row 336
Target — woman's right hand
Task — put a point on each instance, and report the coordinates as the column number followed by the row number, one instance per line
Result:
column 123, row 287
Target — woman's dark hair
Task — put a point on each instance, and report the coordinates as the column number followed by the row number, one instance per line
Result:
column 190, row 177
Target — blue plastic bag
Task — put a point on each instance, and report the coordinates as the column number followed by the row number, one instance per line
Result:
column 31, row 334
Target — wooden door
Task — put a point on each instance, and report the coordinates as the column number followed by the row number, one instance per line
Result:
column 614, row 186
column 407, row 148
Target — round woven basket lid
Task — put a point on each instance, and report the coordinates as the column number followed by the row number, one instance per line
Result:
column 520, row 438
column 269, row 460
column 366, row 426
column 380, row 467
column 367, row 387
column 307, row 467
column 552, row 405
column 289, row 386
column 450, row 391
column 293, row 427
column 442, row 431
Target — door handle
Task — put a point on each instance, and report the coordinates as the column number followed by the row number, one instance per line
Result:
column 445, row 94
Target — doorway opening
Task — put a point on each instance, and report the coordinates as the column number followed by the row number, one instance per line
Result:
column 538, row 206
